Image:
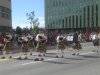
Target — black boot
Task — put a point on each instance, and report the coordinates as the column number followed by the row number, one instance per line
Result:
column 19, row 58
column 25, row 57
column 57, row 56
column 30, row 53
column 73, row 54
column 42, row 59
column 3, row 57
column 37, row 59
column 93, row 50
column 10, row 56
column 62, row 56
column 97, row 51
column 77, row 53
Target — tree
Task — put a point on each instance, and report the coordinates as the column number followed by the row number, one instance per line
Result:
column 18, row 30
column 26, row 30
column 34, row 22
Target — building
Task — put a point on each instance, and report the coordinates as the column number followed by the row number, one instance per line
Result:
column 5, row 15
column 83, row 15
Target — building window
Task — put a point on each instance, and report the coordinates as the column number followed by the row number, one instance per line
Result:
column 69, row 21
column 56, row 3
column 66, row 22
column 88, row 12
column 2, row 15
column 84, row 16
column 63, row 23
column 76, row 21
column 2, row 9
column 92, row 17
column 9, row 0
column 80, row 21
column 59, row 3
column 96, row 15
column 73, row 21
column 5, row 12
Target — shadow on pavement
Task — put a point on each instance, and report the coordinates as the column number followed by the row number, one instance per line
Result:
column 55, row 62
column 90, row 56
column 74, row 58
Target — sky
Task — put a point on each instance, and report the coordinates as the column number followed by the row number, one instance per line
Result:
column 21, row 7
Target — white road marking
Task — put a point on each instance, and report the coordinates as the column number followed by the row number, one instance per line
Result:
column 51, row 59
column 86, row 53
column 38, row 61
column 30, row 63
column 2, row 60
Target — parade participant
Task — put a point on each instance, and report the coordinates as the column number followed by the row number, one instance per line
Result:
column 60, row 46
column 66, row 41
column 41, row 40
column 95, row 39
column 8, row 47
column 30, row 43
column 69, row 39
column 1, row 42
column 99, row 38
column 76, row 44
column 24, row 47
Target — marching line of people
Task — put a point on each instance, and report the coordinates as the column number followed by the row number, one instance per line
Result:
column 41, row 39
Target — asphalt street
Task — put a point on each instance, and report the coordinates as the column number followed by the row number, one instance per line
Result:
column 87, row 63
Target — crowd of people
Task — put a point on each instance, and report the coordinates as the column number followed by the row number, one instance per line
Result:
column 27, row 42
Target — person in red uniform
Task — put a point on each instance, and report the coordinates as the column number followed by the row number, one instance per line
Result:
column 1, row 43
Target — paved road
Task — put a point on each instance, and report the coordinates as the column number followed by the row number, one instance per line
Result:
column 87, row 63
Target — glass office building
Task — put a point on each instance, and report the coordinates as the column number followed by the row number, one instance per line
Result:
column 5, row 15
column 72, row 14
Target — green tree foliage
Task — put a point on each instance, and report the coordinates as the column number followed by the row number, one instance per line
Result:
column 26, row 30
column 34, row 22
column 18, row 30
